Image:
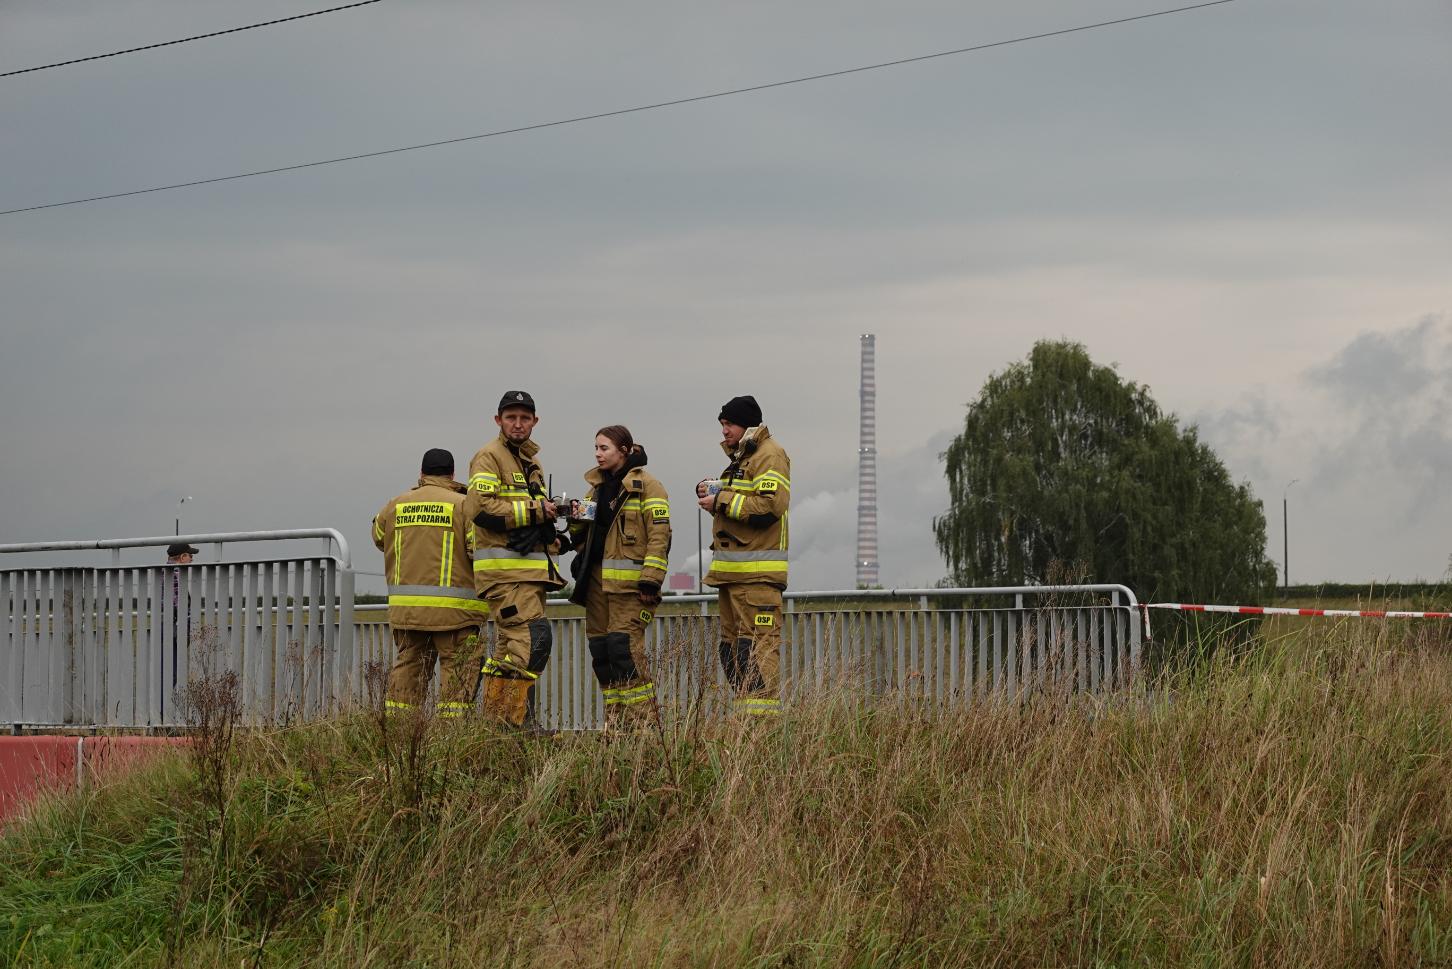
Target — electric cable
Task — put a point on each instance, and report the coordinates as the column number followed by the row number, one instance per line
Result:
column 185, row 40
column 617, row 112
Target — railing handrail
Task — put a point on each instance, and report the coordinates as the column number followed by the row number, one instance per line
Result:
column 344, row 557
column 1130, row 601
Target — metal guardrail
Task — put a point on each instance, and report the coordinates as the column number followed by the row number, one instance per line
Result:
column 917, row 645
column 116, row 646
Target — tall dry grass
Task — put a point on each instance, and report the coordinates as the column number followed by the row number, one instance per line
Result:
column 1287, row 806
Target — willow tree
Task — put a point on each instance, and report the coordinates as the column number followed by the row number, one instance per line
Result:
column 1061, row 463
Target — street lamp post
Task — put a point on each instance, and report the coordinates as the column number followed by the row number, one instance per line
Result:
column 178, row 512
column 1286, row 536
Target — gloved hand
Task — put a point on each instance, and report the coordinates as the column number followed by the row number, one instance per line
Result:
column 649, row 592
column 566, row 545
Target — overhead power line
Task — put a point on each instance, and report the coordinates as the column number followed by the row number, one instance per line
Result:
column 617, row 112
column 184, row 40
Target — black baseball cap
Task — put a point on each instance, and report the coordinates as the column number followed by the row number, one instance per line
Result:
column 516, row 398
column 437, row 461
column 181, row 548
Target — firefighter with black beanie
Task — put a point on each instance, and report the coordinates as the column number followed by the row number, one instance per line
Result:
column 749, row 539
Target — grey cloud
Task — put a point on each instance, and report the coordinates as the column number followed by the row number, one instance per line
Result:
column 1389, row 395
column 1239, row 433
column 1202, row 197
column 1378, row 370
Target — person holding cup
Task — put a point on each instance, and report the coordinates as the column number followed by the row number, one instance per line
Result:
column 621, row 532
column 748, row 508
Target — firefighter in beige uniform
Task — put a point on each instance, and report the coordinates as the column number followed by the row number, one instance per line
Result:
column 619, row 564
column 426, row 543
column 749, row 554
column 515, row 544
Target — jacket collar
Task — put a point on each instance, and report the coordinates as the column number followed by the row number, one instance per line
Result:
column 634, row 462
column 528, row 449
column 753, row 436
column 440, row 481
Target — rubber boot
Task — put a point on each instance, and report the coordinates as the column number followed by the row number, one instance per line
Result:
column 643, row 717
column 506, row 699
column 729, row 664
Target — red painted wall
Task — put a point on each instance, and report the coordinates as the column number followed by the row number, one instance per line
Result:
column 30, row 765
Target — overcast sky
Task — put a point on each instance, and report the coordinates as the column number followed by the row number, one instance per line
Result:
column 1247, row 207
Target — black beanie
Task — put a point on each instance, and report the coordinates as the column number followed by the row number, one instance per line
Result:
column 743, row 411
column 437, row 461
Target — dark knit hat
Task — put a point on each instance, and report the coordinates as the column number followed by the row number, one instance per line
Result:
column 743, row 411
column 437, row 461
column 516, row 398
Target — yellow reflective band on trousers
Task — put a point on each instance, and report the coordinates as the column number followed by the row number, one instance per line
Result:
column 757, row 707
column 449, row 709
column 504, row 668
column 629, row 696
column 396, row 706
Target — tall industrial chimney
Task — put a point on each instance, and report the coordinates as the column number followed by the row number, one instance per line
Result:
column 867, row 469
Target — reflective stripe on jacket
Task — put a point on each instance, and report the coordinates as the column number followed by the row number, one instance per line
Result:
column 749, row 520
column 507, row 491
column 638, row 543
column 426, row 543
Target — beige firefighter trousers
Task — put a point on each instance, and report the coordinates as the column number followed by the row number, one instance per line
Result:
column 457, row 651
column 610, row 615
column 751, row 617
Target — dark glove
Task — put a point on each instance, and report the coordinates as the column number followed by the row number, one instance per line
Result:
column 649, row 592
column 566, row 545
column 527, row 539
column 577, row 565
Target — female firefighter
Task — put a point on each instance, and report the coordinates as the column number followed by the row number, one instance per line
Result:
column 622, row 536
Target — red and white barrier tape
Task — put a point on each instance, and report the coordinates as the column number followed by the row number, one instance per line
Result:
column 1287, row 611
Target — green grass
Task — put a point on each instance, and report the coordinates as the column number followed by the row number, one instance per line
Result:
column 1289, row 806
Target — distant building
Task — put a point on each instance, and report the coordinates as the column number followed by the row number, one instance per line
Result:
column 681, row 582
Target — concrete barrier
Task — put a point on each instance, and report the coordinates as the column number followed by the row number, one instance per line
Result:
column 31, row 766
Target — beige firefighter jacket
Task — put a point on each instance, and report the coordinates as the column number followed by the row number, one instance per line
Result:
column 638, row 544
column 426, row 543
column 507, row 492
column 749, row 518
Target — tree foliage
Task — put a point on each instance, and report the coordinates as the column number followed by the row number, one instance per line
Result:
column 1063, row 463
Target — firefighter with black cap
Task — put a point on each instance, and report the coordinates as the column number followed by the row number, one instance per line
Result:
column 515, row 549
column 748, row 507
column 426, row 542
